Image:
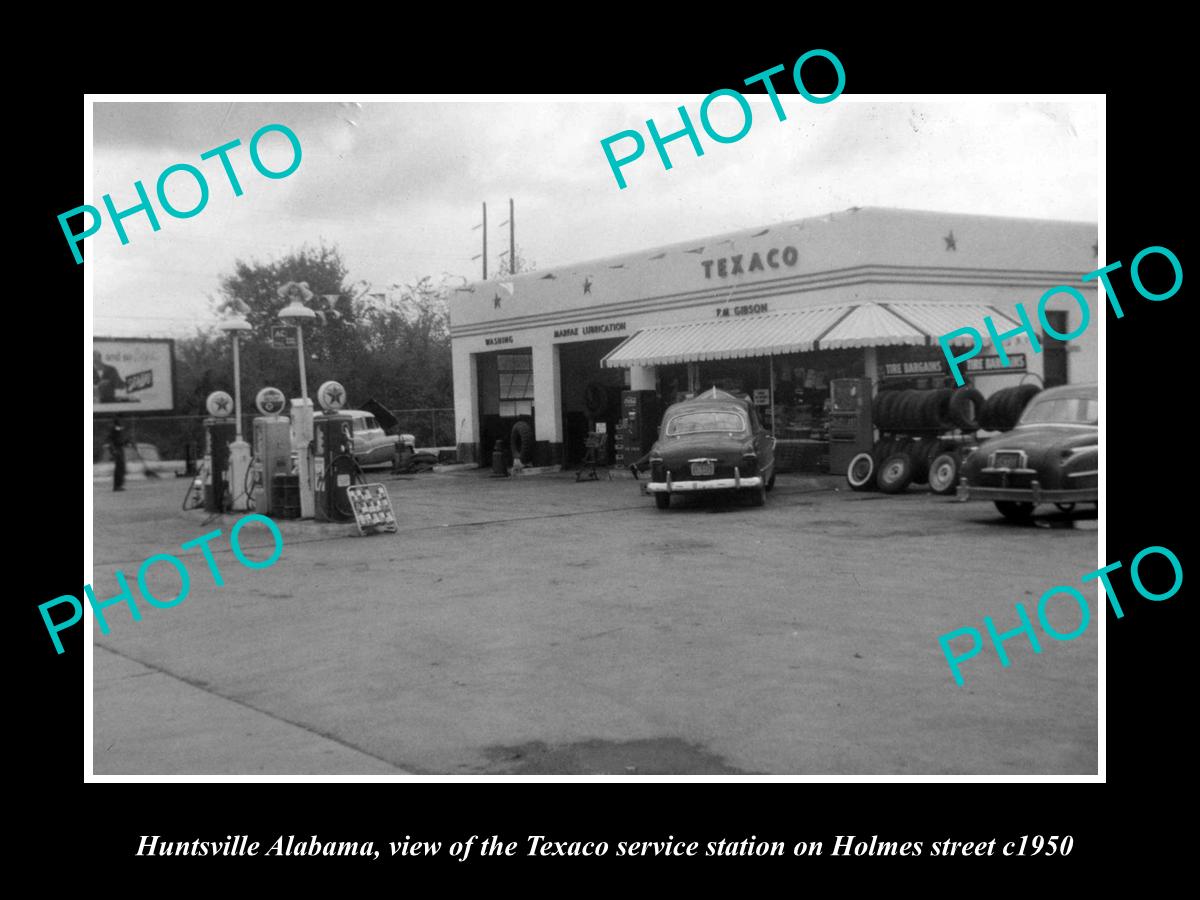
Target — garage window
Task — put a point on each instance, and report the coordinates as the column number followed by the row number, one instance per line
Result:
column 516, row 383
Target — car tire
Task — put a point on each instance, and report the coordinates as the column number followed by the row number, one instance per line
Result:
column 595, row 399
column 1014, row 510
column 941, row 407
column 521, row 442
column 1022, row 394
column 885, row 409
column 965, row 405
column 758, row 495
column 882, row 450
column 895, row 473
column 943, row 474
column 860, row 474
column 879, row 409
column 771, row 481
column 662, row 501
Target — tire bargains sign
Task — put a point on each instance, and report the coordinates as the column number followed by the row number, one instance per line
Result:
column 133, row 375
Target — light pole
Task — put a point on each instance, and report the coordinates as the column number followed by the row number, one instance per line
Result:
column 239, row 450
column 296, row 313
column 235, row 327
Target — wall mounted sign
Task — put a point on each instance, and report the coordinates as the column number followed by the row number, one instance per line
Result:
column 978, row 365
column 749, row 309
column 735, row 265
column 283, row 337
column 585, row 330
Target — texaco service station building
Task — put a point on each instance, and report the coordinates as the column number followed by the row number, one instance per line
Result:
column 775, row 312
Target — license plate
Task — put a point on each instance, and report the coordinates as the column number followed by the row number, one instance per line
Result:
column 702, row 468
column 1008, row 460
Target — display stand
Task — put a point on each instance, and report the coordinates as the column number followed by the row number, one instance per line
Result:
column 594, row 457
column 372, row 508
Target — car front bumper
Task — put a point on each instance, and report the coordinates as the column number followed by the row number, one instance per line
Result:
column 707, row 484
column 1035, row 493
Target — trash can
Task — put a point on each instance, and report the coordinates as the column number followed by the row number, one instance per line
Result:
column 285, row 496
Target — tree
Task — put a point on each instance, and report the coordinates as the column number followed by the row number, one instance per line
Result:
column 521, row 264
column 203, row 364
column 392, row 346
column 253, row 290
column 406, row 334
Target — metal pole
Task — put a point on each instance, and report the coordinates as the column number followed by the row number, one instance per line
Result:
column 433, row 426
column 771, row 363
column 300, row 351
column 237, row 386
column 485, row 242
column 512, row 241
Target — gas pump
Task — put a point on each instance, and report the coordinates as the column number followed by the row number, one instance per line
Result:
column 219, row 430
column 334, row 466
column 272, row 447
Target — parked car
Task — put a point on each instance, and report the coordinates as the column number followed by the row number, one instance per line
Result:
column 713, row 442
column 372, row 446
column 1051, row 456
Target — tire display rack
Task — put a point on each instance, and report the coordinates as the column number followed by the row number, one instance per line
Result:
column 925, row 435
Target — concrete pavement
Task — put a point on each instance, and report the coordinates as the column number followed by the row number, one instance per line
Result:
column 538, row 625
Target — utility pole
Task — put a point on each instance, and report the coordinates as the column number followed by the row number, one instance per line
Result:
column 512, row 240
column 485, row 242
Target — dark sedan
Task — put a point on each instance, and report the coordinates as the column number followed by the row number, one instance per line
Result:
column 714, row 442
column 1051, row 456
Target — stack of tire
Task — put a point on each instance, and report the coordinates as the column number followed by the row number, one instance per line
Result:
column 1003, row 409
column 912, row 453
column 939, row 409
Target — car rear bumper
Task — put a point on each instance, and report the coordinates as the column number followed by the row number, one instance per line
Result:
column 1035, row 493
column 707, row 484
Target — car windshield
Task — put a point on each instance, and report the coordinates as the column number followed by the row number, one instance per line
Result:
column 1065, row 410
column 705, row 420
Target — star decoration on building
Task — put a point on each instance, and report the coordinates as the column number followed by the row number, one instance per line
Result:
column 587, row 285
column 496, row 301
column 950, row 242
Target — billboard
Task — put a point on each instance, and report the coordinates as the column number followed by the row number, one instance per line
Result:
column 133, row 375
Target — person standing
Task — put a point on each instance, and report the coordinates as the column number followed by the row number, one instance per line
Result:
column 116, row 444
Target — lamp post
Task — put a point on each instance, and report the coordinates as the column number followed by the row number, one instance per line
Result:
column 235, row 327
column 296, row 313
column 239, row 450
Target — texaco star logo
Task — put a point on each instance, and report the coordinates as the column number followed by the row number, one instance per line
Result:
column 334, row 394
column 221, row 403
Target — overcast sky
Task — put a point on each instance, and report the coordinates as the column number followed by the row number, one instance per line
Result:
column 398, row 185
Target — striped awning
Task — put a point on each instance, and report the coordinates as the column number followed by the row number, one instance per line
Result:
column 825, row 327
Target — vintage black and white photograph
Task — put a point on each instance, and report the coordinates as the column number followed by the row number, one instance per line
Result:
column 630, row 436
